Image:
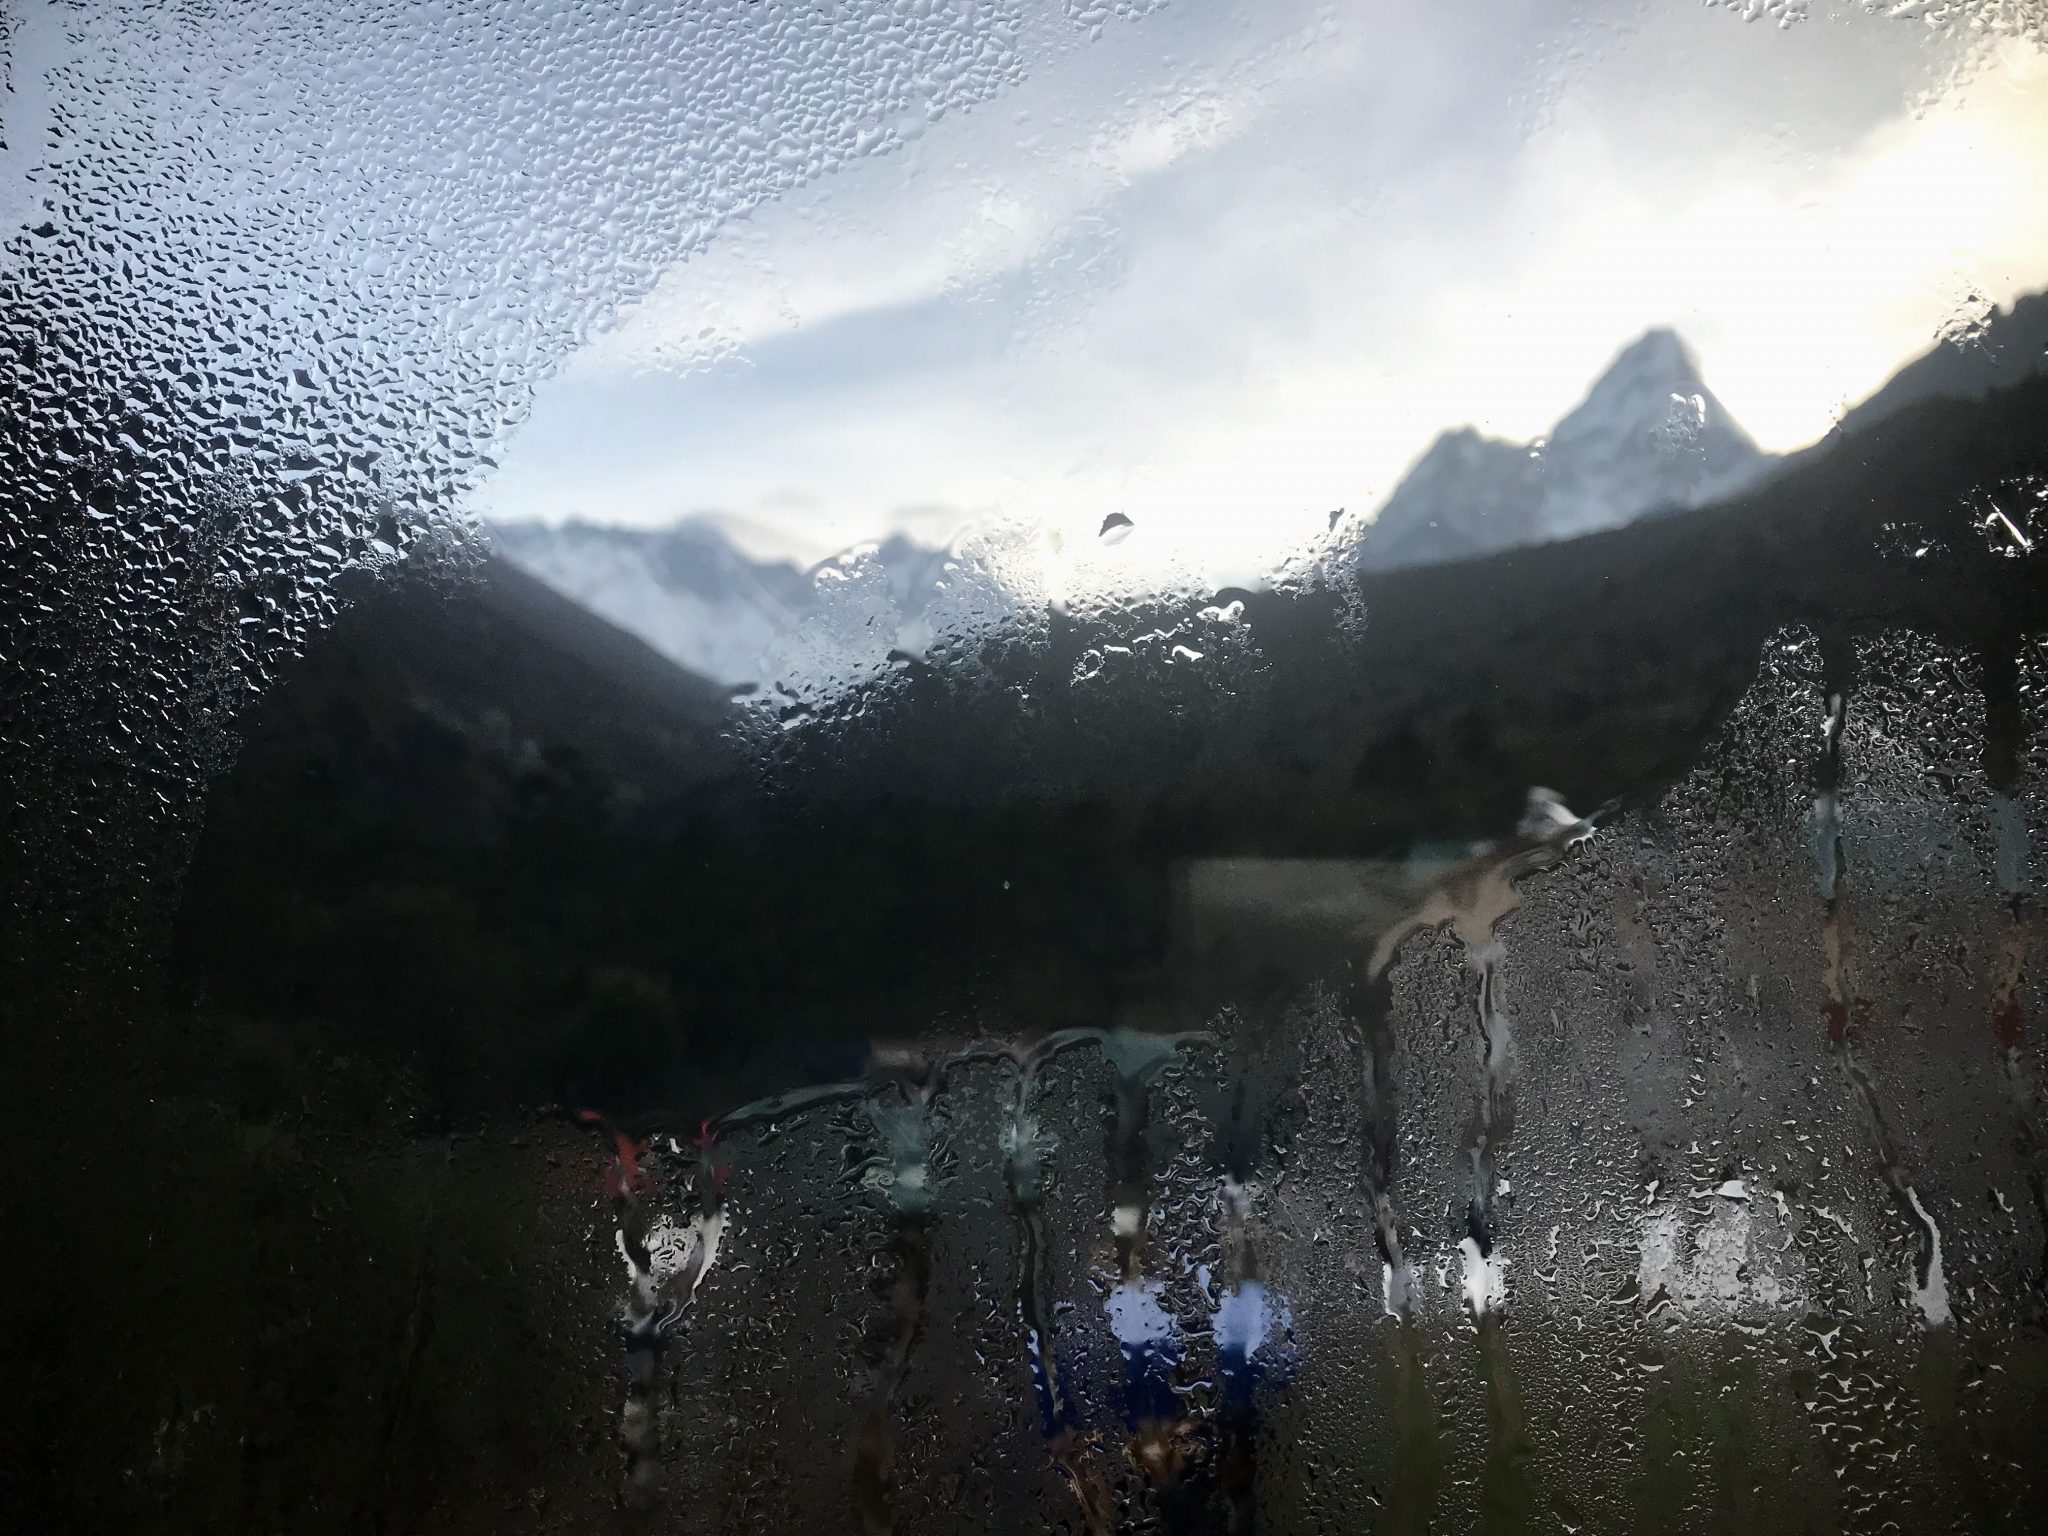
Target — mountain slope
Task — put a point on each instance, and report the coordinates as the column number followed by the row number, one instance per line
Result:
column 2012, row 346
column 455, row 707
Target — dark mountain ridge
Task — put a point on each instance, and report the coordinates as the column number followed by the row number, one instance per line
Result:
column 654, row 895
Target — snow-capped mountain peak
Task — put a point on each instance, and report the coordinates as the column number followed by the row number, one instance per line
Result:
column 686, row 590
column 1649, row 436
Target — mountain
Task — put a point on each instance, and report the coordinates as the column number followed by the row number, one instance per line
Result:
column 1468, row 495
column 464, row 704
column 476, row 831
column 690, row 593
column 686, row 590
column 1649, row 436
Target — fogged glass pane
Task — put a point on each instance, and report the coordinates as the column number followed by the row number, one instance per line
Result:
column 988, row 766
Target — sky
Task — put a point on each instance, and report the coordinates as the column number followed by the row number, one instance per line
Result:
column 1234, row 265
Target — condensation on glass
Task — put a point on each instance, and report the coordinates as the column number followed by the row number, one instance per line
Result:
column 1676, row 1159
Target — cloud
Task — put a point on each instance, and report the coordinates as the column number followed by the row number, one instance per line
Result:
column 955, row 206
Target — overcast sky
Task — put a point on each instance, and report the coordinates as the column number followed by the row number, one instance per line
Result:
column 1235, row 264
